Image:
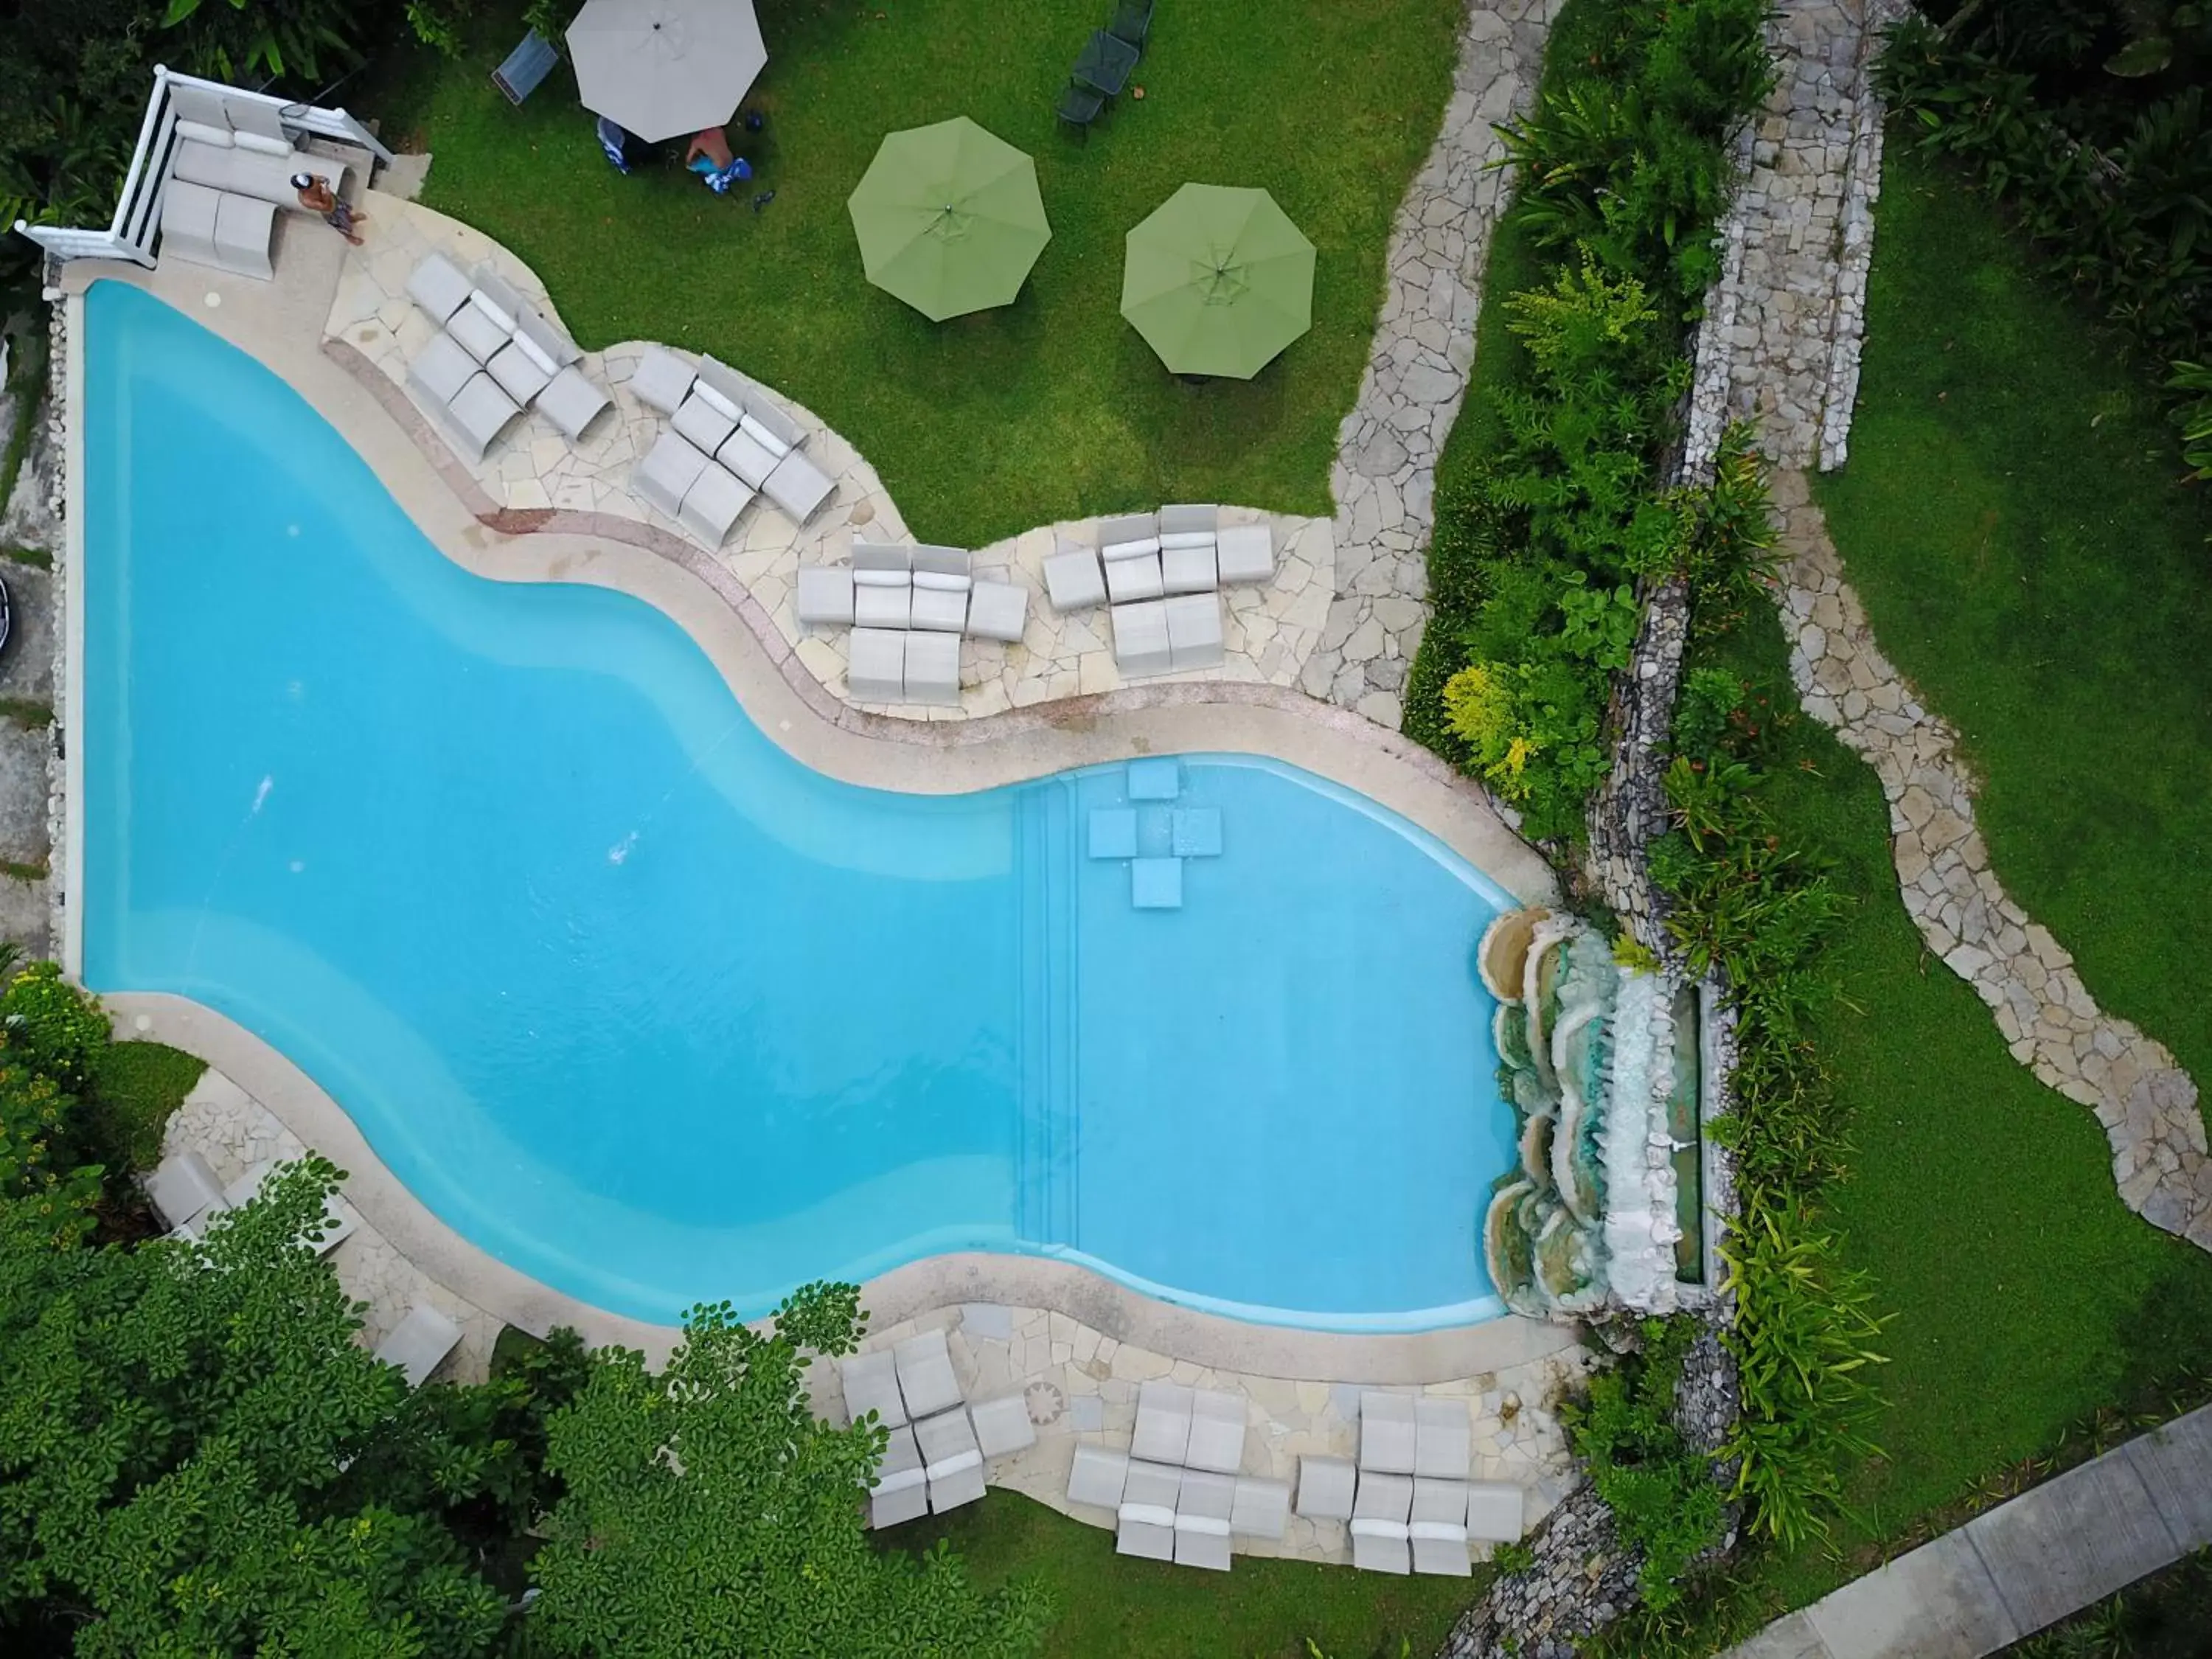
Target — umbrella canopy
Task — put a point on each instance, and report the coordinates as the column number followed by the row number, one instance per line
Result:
column 665, row 68
column 1218, row 281
column 949, row 218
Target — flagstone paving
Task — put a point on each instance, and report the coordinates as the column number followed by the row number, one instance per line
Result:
column 536, row 478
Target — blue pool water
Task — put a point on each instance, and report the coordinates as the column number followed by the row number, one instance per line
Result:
column 648, row 1009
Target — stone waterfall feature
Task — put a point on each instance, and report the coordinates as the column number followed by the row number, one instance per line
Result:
column 1601, row 1065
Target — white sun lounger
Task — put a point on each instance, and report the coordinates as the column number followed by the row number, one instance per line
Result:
column 1495, row 1511
column 338, row 1219
column 1387, row 1433
column 1098, row 1477
column 1216, row 1431
column 662, row 380
column 478, row 414
column 522, row 370
column 1194, row 629
column 1132, row 569
column 883, row 586
column 712, row 505
column 1443, row 1438
column 1072, row 578
column 1003, row 1426
column 666, row 474
column 481, row 326
column 997, row 610
column 870, row 1384
column 437, row 285
column 1187, row 549
column 925, row 1376
column 1146, row 1515
column 1204, row 1503
column 419, row 1343
column 1262, row 1508
column 875, row 669
column 1437, row 1529
column 705, row 417
column 900, row 1489
column 573, row 401
column 1326, row 1486
column 1164, row 1415
column 1379, row 1530
column 440, row 370
column 1140, row 638
column 181, row 1186
column 797, row 488
column 932, row 669
column 941, row 583
column 953, row 1460
column 824, row 597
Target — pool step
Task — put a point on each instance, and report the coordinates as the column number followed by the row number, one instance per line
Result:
column 1045, row 1128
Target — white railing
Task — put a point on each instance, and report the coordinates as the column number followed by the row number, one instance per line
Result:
column 129, row 235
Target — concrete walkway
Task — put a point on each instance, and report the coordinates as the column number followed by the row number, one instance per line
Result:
column 2026, row 1564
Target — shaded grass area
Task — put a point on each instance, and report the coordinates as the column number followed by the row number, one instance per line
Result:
column 2024, row 1295
column 1112, row 1607
column 136, row 1086
column 1054, row 406
column 2167, row 1615
column 2011, row 517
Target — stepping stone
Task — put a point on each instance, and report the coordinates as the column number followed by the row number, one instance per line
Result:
column 1198, row 832
column 991, row 1320
column 1114, row 832
column 1156, row 884
column 1155, row 779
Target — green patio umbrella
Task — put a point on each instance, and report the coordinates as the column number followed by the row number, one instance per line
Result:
column 1218, row 281
column 949, row 218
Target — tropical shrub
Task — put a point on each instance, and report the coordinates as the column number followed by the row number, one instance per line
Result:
column 39, row 1164
column 709, row 1510
column 57, row 1028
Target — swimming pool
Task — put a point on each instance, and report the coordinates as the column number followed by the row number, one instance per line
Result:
column 647, row 1008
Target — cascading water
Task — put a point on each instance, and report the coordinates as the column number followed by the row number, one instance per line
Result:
column 1597, row 1060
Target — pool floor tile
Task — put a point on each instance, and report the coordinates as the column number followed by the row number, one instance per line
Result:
column 1156, row 884
column 1158, row 779
column 1197, row 832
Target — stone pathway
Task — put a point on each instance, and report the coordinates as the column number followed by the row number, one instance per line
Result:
column 1790, row 310
column 29, row 761
column 2024, row 1565
column 233, row 1132
column 1385, row 472
column 535, row 478
column 1081, row 1386
column 2147, row 1103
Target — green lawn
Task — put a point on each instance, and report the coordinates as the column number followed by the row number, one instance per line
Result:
column 135, row 1088
column 1051, row 407
column 2011, row 517
column 1112, row 1608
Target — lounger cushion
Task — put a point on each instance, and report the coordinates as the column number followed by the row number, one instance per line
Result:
column 797, row 488
column 1072, row 578
column 438, row 285
column 1164, row 1415
column 478, row 414
column 1380, row 1546
column 955, row 1462
column 1146, row 1515
column 1383, row 1498
column 245, row 229
column 824, row 597
column 181, row 1186
column 925, row 1375
column 1130, row 579
column 1261, row 1509
column 746, row 457
column 1245, row 553
column 937, row 610
column 900, row 1489
column 876, row 671
column 1002, row 1426
column 667, row 473
column 662, row 380
column 572, row 402
column 536, row 354
column 870, row 1384
column 498, row 308
column 707, row 427
column 262, row 144
column 1188, row 569
column 188, row 213
column 1140, row 638
column 881, row 606
column 480, row 336
column 1097, row 1476
column 1386, row 1433
column 249, row 117
column 938, row 581
column 519, row 374
column 1194, row 630
column 418, row 1344
column 712, row 505
column 933, row 668
column 1202, row 1522
column 202, row 133
column 1216, row 1431
column 1326, row 1488
column 997, row 610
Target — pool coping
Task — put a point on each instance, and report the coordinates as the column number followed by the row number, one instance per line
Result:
column 283, row 331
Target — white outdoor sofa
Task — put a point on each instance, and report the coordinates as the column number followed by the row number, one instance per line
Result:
column 1409, row 1504
column 894, row 595
column 185, row 1195
column 1162, row 573
column 727, row 441
column 230, row 171
column 493, row 356
column 935, row 1457
column 1166, row 1513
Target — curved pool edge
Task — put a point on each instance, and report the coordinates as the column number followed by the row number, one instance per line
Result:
column 911, row 1291
column 788, row 704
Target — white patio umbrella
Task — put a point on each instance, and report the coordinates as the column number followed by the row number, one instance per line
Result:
column 664, row 68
